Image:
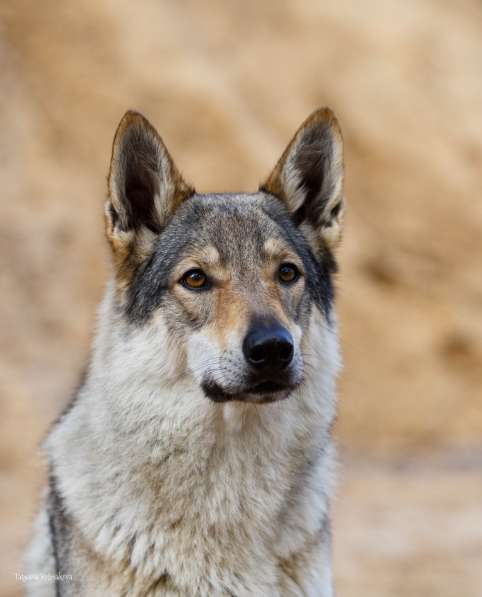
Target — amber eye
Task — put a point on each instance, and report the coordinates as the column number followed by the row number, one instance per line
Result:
column 195, row 279
column 288, row 273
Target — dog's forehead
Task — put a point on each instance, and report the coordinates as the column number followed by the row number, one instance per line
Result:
column 237, row 226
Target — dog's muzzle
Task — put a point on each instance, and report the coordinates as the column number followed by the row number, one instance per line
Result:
column 268, row 350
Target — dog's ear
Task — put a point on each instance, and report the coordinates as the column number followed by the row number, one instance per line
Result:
column 145, row 188
column 308, row 178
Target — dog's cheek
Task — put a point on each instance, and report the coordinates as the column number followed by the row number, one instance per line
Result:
column 166, row 348
column 191, row 310
column 296, row 332
column 203, row 354
column 302, row 311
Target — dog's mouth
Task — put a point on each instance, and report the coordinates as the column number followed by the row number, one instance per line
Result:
column 267, row 387
column 263, row 392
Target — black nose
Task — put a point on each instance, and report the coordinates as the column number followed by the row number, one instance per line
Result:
column 268, row 347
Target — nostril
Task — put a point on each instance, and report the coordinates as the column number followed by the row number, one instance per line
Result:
column 285, row 352
column 257, row 354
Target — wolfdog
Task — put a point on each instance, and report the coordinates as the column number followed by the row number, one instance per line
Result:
column 196, row 459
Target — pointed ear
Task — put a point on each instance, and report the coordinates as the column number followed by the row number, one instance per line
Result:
column 308, row 178
column 145, row 188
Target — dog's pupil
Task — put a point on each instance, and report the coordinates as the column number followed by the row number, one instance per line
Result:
column 287, row 273
column 196, row 278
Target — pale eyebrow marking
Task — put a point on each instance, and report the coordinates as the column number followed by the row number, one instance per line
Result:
column 273, row 247
column 275, row 250
column 210, row 255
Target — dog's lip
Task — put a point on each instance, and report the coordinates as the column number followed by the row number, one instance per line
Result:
column 268, row 388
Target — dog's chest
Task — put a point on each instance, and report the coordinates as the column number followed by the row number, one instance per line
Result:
column 235, row 483
column 212, row 504
column 216, row 513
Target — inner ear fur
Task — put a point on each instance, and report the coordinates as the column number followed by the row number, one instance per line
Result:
column 145, row 188
column 308, row 178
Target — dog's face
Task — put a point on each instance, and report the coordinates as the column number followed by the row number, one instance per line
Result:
column 233, row 278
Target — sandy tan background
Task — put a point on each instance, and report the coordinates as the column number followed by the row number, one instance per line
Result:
column 227, row 83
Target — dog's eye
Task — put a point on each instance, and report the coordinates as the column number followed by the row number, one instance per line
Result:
column 288, row 273
column 195, row 279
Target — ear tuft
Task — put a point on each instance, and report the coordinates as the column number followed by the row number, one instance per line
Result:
column 308, row 178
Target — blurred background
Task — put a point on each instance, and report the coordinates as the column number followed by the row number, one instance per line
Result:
column 227, row 83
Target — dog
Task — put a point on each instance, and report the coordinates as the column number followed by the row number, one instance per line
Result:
column 196, row 459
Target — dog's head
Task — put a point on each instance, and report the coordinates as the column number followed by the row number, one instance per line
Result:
column 231, row 280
